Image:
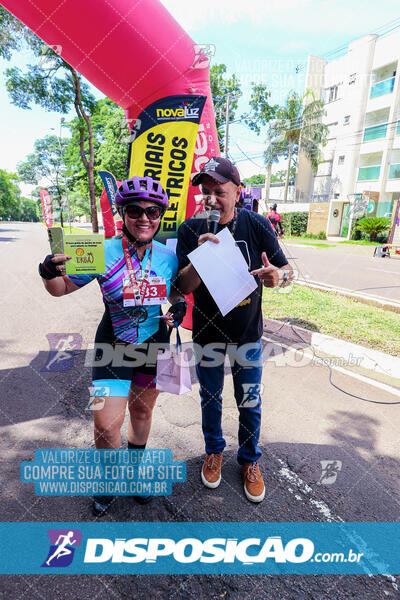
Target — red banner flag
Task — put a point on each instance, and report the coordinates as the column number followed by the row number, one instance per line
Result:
column 46, row 206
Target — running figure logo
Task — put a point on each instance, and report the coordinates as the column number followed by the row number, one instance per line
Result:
column 251, row 395
column 202, row 55
column 62, row 347
column 62, row 547
column 330, row 470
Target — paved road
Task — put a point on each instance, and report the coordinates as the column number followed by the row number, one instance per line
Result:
column 305, row 420
column 347, row 266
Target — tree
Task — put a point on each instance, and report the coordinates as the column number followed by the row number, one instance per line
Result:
column 45, row 164
column 56, row 86
column 14, row 34
column 297, row 127
column 280, row 176
column 220, row 87
column 9, row 196
column 79, row 203
column 255, row 180
column 29, row 210
column 113, row 133
column 373, row 226
column 110, row 146
column 12, row 206
column 260, row 115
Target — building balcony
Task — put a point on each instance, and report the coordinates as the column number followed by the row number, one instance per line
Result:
column 375, row 133
column 382, row 87
column 394, row 172
column 369, row 173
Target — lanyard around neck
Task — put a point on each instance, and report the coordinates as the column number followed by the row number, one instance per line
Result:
column 139, row 290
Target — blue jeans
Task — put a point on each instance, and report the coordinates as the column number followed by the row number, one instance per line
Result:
column 246, row 366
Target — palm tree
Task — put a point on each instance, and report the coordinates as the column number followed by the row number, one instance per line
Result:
column 373, row 226
column 298, row 127
column 271, row 156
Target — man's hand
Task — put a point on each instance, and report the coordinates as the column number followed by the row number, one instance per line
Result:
column 268, row 274
column 188, row 279
column 207, row 236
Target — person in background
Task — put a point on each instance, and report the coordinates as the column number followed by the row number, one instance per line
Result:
column 275, row 219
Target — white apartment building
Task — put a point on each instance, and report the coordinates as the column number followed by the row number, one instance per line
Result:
column 361, row 92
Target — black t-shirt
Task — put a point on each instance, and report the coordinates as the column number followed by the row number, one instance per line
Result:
column 254, row 235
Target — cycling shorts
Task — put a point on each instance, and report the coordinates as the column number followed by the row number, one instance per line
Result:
column 112, row 377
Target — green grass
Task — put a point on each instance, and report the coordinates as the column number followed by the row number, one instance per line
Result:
column 66, row 228
column 332, row 314
column 361, row 242
column 74, row 230
column 305, row 242
column 323, row 244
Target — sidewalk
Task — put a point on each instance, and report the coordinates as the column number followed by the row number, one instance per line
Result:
column 341, row 355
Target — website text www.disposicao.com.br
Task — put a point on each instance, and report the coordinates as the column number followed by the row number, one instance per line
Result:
column 213, row 550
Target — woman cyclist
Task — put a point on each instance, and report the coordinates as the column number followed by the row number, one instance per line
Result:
column 139, row 275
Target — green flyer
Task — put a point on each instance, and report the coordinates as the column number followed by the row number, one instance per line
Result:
column 87, row 253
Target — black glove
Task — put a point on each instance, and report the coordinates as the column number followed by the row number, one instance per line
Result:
column 178, row 311
column 48, row 269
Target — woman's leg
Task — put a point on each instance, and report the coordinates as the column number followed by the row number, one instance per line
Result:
column 108, row 422
column 141, row 402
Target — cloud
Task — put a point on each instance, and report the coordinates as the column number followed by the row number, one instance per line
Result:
column 299, row 17
column 193, row 16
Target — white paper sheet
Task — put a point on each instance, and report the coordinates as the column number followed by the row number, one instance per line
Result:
column 224, row 271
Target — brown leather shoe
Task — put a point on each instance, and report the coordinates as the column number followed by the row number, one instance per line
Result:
column 211, row 471
column 253, row 482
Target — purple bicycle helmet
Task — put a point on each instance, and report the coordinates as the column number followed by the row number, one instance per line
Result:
column 140, row 188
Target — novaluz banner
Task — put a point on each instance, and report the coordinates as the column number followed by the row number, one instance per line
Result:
column 200, row 548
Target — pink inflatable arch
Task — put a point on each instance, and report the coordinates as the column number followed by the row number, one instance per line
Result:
column 136, row 54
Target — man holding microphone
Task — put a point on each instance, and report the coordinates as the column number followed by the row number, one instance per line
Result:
column 241, row 328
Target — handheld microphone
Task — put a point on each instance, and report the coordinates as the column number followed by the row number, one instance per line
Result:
column 213, row 221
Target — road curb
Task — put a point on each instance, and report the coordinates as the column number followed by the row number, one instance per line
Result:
column 370, row 300
column 351, row 354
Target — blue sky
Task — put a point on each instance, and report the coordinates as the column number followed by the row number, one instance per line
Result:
column 259, row 40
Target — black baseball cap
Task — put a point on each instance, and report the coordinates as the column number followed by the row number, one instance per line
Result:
column 220, row 169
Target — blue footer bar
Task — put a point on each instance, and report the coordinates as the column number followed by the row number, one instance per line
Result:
column 188, row 548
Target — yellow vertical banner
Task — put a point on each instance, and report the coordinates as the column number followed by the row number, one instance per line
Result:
column 162, row 147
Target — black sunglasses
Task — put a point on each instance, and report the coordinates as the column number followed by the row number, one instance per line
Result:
column 135, row 211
